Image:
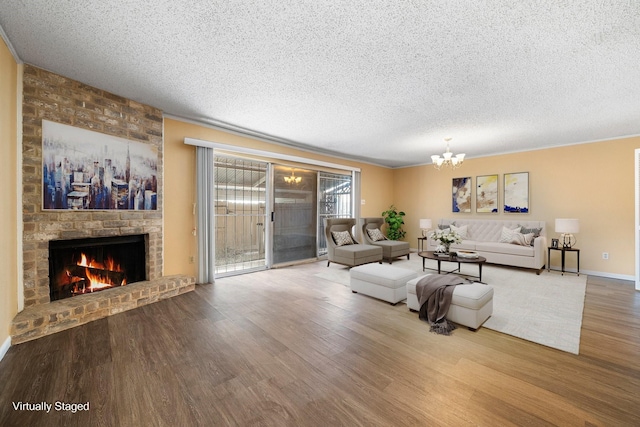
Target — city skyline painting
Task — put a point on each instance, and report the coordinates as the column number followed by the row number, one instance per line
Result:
column 84, row 169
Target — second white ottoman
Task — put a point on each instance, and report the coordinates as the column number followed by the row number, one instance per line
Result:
column 381, row 281
column 471, row 305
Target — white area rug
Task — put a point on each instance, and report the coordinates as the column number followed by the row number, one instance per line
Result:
column 545, row 309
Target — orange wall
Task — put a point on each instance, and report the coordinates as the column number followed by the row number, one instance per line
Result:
column 8, row 190
column 179, row 186
column 593, row 182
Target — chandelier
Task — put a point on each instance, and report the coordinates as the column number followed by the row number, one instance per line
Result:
column 292, row 179
column 447, row 159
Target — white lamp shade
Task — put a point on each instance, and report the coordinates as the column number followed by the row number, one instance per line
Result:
column 425, row 224
column 567, row 225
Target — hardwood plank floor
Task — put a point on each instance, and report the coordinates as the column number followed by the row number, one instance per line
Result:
column 286, row 347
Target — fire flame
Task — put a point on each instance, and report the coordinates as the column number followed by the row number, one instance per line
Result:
column 109, row 264
column 94, row 280
column 97, row 282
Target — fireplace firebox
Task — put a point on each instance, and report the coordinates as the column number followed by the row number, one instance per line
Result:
column 83, row 266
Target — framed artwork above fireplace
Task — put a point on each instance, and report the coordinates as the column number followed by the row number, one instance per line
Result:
column 88, row 170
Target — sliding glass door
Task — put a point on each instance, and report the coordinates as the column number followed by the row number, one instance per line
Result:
column 240, row 214
column 334, row 201
column 266, row 214
column 295, row 219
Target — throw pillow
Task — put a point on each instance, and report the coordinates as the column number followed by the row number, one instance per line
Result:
column 342, row 238
column 446, row 226
column 507, row 234
column 522, row 239
column 375, row 234
column 536, row 232
column 462, row 231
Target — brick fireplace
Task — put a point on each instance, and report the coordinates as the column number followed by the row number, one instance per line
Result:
column 48, row 96
column 84, row 266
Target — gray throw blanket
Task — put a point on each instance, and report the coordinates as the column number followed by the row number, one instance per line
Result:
column 434, row 294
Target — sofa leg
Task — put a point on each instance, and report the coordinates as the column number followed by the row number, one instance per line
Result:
column 408, row 255
column 328, row 262
column 393, row 303
column 412, row 310
column 471, row 329
column 354, row 292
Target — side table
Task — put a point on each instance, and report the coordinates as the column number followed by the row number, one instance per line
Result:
column 421, row 241
column 563, row 250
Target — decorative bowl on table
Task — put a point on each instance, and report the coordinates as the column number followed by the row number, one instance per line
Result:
column 467, row 254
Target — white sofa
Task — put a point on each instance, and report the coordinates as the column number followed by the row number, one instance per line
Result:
column 483, row 236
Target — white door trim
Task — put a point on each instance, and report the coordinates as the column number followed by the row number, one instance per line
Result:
column 637, row 216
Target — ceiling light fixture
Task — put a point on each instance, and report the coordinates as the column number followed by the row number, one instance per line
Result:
column 448, row 158
column 292, row 179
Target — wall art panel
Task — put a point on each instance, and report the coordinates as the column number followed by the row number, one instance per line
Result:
column 83, row 169
column 487, row 194
column 516, row 192
column 461, row 195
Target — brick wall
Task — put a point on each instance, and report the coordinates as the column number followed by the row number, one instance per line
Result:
column 56, row 98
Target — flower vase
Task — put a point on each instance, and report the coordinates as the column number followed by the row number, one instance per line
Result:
column 443, row 248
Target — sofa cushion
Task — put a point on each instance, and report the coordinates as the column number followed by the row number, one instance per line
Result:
column 467, row 245
column 505, row 248
column 507, row 234
column 342, row 238
column 526, row 230
column 522, row 239
column 462, row 231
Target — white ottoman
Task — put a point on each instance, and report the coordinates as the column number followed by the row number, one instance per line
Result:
column 471, row 305
column 381, row 281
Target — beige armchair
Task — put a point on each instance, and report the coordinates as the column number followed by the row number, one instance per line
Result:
column 348, row 254
column 390, row 248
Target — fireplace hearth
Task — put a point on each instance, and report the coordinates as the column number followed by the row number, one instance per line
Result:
column 82, row 266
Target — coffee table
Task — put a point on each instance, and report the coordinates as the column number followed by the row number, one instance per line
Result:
column 453, row 258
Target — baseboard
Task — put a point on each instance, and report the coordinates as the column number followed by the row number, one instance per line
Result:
column 5, row 347
column 608, row 275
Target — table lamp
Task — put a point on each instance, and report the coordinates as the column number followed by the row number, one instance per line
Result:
column 567, row 226
column 425, row 225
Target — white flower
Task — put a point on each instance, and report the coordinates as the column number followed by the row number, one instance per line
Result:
column 446, row 237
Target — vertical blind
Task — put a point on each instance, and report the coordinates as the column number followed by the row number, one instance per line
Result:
column 204, row 189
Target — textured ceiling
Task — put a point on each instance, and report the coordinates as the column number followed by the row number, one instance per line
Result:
column 380, row 81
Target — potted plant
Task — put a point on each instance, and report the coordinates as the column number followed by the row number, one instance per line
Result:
column 394, row 221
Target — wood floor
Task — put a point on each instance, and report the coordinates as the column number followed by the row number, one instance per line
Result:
column 284, row 347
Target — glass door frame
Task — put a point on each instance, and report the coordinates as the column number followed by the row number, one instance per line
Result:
column 216, row 217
